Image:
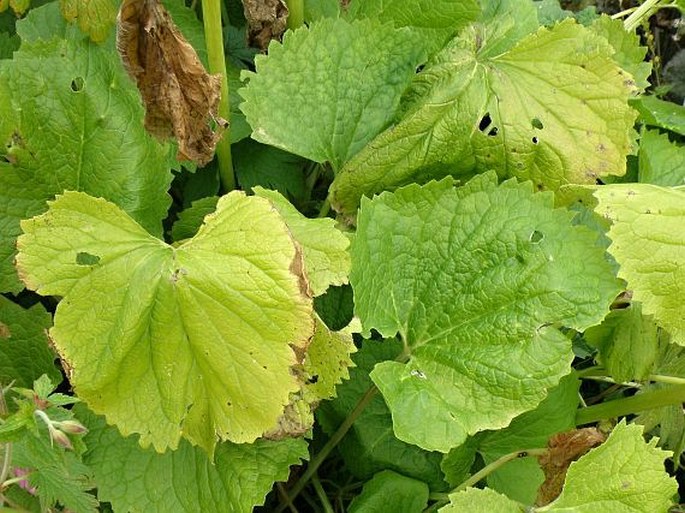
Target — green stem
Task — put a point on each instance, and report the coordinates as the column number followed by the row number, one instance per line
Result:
column 670, row 380
column 7, row 453
column 317, row 460
column 637, row 403
column 443, row 498
column 636, row 18
column 321, row 494
column 284, row 495
column 489, row 469
column 325, row 209
column 295, row 13
column 211, row 13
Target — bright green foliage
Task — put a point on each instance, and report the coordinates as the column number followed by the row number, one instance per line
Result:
column 648, row 242
column 315, row 9
column 67, row 110
column 628, row 344
column 661, row 162
column 434, row 20
column 24, row 351
column 328, row 361
column 328, row 89
column 135, row 479
column 45, row 23
column 669, row 421
column 240, row 129
column 660, row 113
column 257, row 164
column 389, row 491
column 624, row 474
column 475, row 500
column 324, row 247
column 370, row 446
column 629, row 55
column 40, row 430
column 473, row 278
column 58, row 475
column 471, row 109
column 95, row 17
column 190, row 219
column 173, row 342
column 519, row 479
column 325, row 366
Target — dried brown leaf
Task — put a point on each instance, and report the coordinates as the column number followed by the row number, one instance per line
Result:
column 266, row 20
column 564, row 448
column 180, row 97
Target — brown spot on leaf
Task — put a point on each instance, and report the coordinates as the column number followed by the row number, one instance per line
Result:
column 5, row 331
column 295, row 421
column 180, row 97
column 266, row 20
column 564, row 448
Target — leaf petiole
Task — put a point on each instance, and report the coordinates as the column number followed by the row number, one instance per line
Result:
column 321, row 456
column 296, row 13
column 211, row 14
column 637, row 403
column 443, row 498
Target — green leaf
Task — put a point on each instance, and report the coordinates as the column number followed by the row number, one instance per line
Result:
column 370, row 446
column 328, row 89
column 315, row 9
column 628, row 344
column 24, row 351
column 660, row 113
column 257, row 164
column 661, row 161
column 190, row 220
column 192, row 341
column 623, row 474
column 57, row 475
column 629, row 55
column 240, row 129
column 69, row 122
column 476, row 281
column 457, row 463
column 389, row 491
column 45, row 22
column 475, row 500
column 328, row 361
column 550, row 12
column 9, row 43
column 135, row 479
column 336, row 306
column 325, row 366
column 520, row 479
column 95, row 17
column 648, row 242
column 434, row 20
column 471, row 110
column 324, row 247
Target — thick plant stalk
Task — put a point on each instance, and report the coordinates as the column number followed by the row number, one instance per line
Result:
column 211, row 10
column 635, row 404
column 295, row 13
column 640, row 14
